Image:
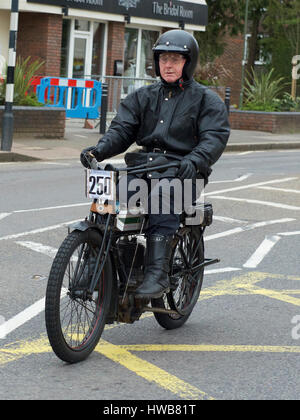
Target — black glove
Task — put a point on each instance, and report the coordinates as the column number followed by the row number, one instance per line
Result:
column 186, row 170
column 87, row 156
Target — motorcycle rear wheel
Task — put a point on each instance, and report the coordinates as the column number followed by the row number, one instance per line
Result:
column 185, row 288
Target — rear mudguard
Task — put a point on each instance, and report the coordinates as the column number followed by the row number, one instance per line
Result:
column 83, row 226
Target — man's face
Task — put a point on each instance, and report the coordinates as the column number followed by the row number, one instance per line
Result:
column 171, row 66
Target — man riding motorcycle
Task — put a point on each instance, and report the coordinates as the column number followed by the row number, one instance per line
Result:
column 179, row 118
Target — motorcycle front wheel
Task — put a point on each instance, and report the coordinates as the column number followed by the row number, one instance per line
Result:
column 74, row 320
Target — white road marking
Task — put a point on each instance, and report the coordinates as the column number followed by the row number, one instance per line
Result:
column 239, row 179
column 242, row 187
column 34, row 231
column 243, row 177
column 42, row 249
column 221, row 270
column 228, row 220
column 53, row 207
column 245, row 228
column 37, row 247
column 21, row 318
column 25, row 316
column 3, row 215
column 288, row 190
column 261, row 252
column 39, row 306
column 260, row 202
column 296, row 232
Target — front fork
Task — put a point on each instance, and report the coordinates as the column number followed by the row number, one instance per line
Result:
column 102, row 255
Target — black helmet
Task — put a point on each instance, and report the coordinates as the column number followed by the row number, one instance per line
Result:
column 178, row 41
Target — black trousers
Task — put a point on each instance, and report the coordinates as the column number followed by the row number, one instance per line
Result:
column 164, row 200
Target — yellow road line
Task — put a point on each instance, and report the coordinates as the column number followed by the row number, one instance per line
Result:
column 122, row 355
column 20, row 349
column 211, row 348
column 246, row 284
column 273, row 294
column 119, row 355
column 151, row 372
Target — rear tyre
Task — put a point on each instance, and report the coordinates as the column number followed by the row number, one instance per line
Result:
column 187, row 252
column 74, row 320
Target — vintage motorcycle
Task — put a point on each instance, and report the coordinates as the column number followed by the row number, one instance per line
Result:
column 101, row 262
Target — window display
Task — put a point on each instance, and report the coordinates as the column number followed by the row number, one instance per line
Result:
column 138, row 55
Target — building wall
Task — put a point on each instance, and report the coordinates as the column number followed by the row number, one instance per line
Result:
column 273, row 122
column 40, row 38
column 232, row 61
column 115, row 45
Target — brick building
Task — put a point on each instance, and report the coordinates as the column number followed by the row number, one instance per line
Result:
column 80, row 38
column 232, row 59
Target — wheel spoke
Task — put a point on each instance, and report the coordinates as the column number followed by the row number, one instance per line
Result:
column 188, row 254
column 78, row 315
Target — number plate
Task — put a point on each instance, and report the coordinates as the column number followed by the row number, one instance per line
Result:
column 101, row 184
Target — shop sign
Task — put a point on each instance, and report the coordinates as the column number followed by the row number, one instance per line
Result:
column 176, row 10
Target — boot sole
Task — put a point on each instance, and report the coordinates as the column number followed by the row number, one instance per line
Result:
column 152, row 295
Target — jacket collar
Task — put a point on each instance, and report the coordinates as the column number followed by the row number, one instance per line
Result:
column 179, row 84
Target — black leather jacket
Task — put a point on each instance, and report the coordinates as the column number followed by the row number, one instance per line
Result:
column 190, row 121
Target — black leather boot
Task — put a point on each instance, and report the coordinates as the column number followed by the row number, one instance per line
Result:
column 156, row 280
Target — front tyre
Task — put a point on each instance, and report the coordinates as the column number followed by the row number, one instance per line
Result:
column 74, row 320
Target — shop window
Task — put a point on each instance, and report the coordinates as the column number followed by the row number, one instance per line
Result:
column 147, row 68
column 130, row 56
column 82, row 25
column 79, row 61
column 138, row 58
column 82, row 49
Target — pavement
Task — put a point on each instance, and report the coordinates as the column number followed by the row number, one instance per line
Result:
column 77, row 138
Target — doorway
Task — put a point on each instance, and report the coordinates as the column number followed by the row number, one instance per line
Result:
column 83, row 52
column 81, row 64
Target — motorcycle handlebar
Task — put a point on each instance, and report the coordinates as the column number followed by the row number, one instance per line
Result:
column 151, row 166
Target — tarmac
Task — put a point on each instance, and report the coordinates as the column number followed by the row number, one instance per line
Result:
column 77, row 138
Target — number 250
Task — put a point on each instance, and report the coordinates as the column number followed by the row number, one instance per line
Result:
column 95, row 181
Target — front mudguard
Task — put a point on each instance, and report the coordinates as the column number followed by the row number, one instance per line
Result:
column 83, row 226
